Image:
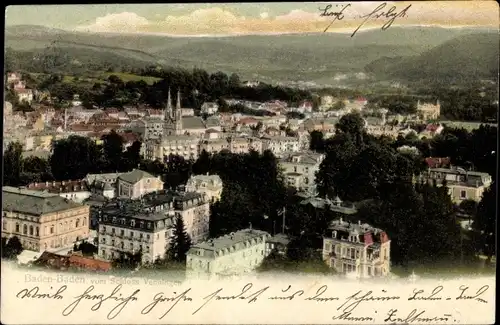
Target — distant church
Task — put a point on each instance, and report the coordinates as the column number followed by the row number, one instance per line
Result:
column 176, row 124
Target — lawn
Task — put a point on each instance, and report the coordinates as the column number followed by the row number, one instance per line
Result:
column 130, row 77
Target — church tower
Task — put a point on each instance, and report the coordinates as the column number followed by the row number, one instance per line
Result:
column 178, row 115
column 168, row 114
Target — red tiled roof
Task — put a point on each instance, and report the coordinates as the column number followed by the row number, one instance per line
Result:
column 89, row 263
column 437, row 162
column 52, row 260
column 248, row 120
column 81, row 127
column 59, row 187
column 432, row 127
column 24, row 91
column 112, row 110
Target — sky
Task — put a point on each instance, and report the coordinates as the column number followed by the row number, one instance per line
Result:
column 247, row 18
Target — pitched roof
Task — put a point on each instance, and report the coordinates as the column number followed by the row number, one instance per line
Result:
column 34, row 202
column 89, row 263
column 192, row 122
column 227, row 241
column 134, row 176
column 436, row 162
column 59, row 187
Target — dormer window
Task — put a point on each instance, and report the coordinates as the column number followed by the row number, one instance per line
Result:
column 132, row 223
column 334, row 234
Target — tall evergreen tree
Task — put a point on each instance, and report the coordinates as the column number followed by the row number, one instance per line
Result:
column 484, row 222
column 180, row 242
column 13, row 162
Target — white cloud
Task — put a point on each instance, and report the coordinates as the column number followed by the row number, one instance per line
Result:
column 223, row 21
column 297, row 14
column 205, row 16
column 121, row 22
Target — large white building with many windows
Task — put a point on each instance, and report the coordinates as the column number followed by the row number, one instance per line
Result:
column 232, row 254
column 42, row 220
column 131, row 225
column 132, row 231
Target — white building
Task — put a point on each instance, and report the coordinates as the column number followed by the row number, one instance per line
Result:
column 186, row 146
column 209, row 108
column 233, row 254
column 131, row 233
column 76, row 191
column 133, row 184
column 300, row 169
column 357, row 249
column 137, row 183
column 462, row 184
column 279, row 145
column 209, row 185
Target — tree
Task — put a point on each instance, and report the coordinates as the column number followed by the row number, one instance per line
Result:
column 180, row 242
column 113, row 151
column 202, row 164
column 86, row 248
column 74, row 158
column 127, row 260
column 316, row 142
column 352, row 124
column 132, row 155
column 13, row 164
column 11, row 247
column 484, row 222
column 177, row 171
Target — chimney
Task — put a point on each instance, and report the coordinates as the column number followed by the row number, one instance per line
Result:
column 359, row 222
column 62, row 183
column 341, row 220
column 54, row 183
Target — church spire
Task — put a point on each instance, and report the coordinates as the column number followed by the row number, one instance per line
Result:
column 168, row 110
column 178, row 106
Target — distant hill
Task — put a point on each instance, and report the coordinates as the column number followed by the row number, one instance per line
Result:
column 462, row 58
column 285, row 57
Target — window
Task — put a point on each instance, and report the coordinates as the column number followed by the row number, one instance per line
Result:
column 4, row 225
column 77, row 223
column 31, row 230
column 328, row 247
column 122, row 232
column 25, row 230
column 51, row 229
column 463, row 194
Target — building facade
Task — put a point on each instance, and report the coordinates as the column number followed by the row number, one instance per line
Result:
column 137, row 183
column 358, row 249
column 208, row 185
column 462, row 184
column 232, row 254
column 299, row 169
column 279, row 145
column 147, row 223
column 129, row 231
column 42, row 220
